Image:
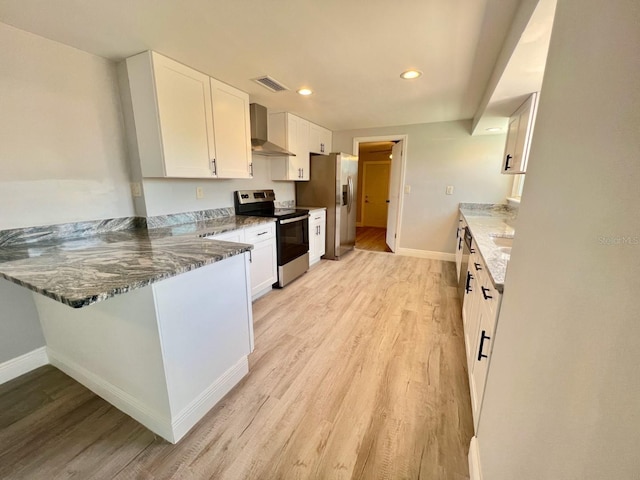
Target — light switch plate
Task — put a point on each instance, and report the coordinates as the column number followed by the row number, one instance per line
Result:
column 450, row 190
column 199, row 193
column 136, row 189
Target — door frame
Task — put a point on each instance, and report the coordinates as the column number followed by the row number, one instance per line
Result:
column 403, row 164
column 374, row 162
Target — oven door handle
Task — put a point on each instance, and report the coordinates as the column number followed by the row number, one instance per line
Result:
column 291, row 220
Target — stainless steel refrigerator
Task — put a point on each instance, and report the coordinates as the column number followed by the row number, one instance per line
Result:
column 333, row 184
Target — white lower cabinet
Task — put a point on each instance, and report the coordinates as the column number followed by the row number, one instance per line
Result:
column 263, row 258
column 481, row 307
column 264, row 261
column 317, row 234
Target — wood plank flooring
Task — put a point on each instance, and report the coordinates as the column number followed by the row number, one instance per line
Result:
column 358, row 373
column 372, row 239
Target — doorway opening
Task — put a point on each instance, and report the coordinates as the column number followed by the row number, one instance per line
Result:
column 380, row 175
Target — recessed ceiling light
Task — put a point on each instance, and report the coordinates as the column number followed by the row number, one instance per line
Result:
column 410, row 74
column 493, row 129
column 305, row 91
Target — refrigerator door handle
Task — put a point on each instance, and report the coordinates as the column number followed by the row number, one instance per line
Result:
column 350, row 194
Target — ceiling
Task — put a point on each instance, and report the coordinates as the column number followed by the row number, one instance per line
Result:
column 523, row 73
column 349, row 53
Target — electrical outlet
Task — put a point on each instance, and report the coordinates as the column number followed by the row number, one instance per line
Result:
column 407, row 189
column 450, row 190
column 136, row 189
column 199, row 193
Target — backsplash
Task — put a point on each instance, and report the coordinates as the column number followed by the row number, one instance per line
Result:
column 159, row 221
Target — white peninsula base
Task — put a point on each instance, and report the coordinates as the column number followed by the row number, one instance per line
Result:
column 164, row 354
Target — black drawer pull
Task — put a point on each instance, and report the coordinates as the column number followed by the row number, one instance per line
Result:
column 477, row 265
column 484, row 293
column 483, row 337
column 471, row 250
column 468, row 285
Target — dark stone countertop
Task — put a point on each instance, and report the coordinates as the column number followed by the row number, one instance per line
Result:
column 80, row 271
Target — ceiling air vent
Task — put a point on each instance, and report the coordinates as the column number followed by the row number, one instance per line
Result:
column 270, row 83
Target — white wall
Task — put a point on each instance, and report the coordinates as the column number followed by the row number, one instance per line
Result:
column 62, row 145
column 20, row 330
column 563, row 393
column 441, row 154
column 165, row 196
column 62, row 154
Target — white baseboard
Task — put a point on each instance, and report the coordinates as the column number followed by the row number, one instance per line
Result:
column 475, row 472
column 23, row 364
column 412, row 252
column 117, row 397
column 207, row 399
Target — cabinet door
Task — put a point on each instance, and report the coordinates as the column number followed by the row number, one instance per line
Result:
column 292, row 133
column 319, row 139
column 322, row 229
column 185, row 117
column 317, row 240
column 482, row 357
column 264, row 264
column 232, row 131
column 299, row 138
column 519, row 137
column 510, row 148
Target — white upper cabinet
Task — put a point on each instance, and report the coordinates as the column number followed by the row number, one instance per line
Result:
column 232, row 131
column 187, row 124
column 319, row 139
column 519, row 135
column 292, row 133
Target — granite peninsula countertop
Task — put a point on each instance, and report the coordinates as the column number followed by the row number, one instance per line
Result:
column 87, row 269
column 486, row 222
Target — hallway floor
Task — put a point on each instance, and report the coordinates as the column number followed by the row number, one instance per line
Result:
column 372, row 239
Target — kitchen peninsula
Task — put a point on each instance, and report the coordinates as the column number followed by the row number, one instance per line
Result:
column 162, row 322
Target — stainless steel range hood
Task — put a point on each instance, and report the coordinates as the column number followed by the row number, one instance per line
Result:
column 259, row 143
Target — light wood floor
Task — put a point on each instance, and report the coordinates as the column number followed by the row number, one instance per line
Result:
column 358, row 372
column 371, row 238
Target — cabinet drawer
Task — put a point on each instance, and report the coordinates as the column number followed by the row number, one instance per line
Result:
column 260, row 233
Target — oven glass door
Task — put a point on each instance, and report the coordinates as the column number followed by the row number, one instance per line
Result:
column 293, row 238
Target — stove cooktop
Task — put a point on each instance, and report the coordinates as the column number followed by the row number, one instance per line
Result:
column 281, row 213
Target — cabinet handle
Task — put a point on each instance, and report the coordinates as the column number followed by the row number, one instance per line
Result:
column 471, row 250
column 484, row 293
column 506, row 163
column 459, row 243
column 250, row 257
column 214, row 168
column 251, row 169
column 483, row 337
column 263, row 233
column 477, row 265
column 322, row 147
column 467, row 287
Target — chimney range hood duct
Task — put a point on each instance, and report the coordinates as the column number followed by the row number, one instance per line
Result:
column 259, row 143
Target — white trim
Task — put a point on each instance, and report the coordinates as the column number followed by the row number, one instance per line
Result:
column 204, row 402
column 403, row 164
column 23, row 364
column 475, row 470
column 117, row 397
column 412, row 252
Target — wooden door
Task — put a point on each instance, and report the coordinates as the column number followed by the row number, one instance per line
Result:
column 375, row 185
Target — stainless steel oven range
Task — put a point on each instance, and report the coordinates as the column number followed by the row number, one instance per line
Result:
column 292, row 231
